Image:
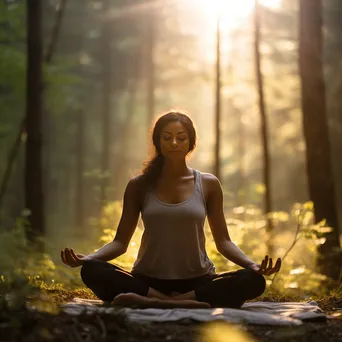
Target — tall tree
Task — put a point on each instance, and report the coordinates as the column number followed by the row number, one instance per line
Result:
column 21, row 130
column 318, row 155
column 49, row 121
column 107, row 95
column 264, row 124
column 79, row 195
column 34, row 196
column 80, row 129
column 333, row 69
column 151, row 25
column 218, row 85
column 241, row 138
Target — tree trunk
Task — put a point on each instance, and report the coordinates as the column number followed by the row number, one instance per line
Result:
column 10, row 162
column 34, row 196
column 217, row 160
column 316, row 135
column 150, row 66
column 134, row 77
column 107, row 95
column 241, row 189
column 80, row 133
column 22, row 128
column 333, row 63
column 264, row 127
column 79, row 196
column 48, row 121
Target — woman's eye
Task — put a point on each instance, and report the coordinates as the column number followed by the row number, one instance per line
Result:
column 166, row 138
column 182, row 138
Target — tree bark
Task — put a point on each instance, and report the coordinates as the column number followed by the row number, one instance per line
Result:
column 264, row 127
column 34, row 196
column 150, row 66
column 49, row 125
column 217, row 160
column 133, row 82
column 79, row 196
column 10, row 162
column 241, row 159
column 316, row 134
column 107, row 95
column 80, row 134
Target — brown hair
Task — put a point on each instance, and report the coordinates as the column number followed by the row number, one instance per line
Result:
column 153, row 167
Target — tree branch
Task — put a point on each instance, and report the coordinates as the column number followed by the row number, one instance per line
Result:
column 55, row 33
column 296, row 238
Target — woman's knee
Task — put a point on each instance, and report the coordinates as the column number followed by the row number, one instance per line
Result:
column 256, row 282
column 88, row 271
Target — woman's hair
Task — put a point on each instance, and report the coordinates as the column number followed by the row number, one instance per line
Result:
column 152, row 168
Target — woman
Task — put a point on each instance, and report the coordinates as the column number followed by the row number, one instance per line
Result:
column 172, row 268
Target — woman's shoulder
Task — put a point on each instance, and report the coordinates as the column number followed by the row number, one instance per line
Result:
column 209, row 178
column 137, row 182
column 136, row 189
column 210, row 183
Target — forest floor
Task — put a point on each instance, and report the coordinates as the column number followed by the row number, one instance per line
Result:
column 27, row 325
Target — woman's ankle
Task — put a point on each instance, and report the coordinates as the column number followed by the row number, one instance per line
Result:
column 152, row 293
column 185, row 296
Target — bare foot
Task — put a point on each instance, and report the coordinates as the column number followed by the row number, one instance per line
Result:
column 133, row 300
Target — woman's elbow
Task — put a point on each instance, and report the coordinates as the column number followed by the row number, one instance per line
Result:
column 223, row 246
column 118, row 247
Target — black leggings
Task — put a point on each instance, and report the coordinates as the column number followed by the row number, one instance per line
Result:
column 229, row 289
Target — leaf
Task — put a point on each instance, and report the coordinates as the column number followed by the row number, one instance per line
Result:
column 308, row 205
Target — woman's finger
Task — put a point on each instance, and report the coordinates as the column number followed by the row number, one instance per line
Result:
column 66, row 260
column 63, row 256
column 278, row 264
column 74, row 255
column 269, row 269
column 71, row 261
column 262, row 266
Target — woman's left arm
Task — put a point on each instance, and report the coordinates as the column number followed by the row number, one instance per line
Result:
column 220, row 233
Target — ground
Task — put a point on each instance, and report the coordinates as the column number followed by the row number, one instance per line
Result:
column 24, row 325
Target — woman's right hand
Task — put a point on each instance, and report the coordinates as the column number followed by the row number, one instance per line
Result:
column 70, row 258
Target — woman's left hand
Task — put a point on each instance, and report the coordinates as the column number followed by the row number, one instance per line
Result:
column 266, row 267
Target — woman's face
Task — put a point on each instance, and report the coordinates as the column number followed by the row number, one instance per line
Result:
column 174, row 140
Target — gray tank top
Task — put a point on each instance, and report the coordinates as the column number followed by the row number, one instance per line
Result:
column 173, row 241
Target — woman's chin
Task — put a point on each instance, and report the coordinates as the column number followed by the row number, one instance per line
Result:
column 175, row 156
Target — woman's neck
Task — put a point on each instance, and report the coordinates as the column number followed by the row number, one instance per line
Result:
column 172, row 169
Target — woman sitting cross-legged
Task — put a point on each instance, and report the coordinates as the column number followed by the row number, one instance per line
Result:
column 172, row 268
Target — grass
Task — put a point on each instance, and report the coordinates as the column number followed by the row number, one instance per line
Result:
column 61, row 295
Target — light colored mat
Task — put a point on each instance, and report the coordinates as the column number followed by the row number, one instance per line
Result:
column 261, row 313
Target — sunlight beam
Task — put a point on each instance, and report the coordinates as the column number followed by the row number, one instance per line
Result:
column 231, row 12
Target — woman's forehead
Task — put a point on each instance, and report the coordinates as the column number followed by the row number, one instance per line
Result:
column 175, row 127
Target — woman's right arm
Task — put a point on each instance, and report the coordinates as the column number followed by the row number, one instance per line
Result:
column 130, row 214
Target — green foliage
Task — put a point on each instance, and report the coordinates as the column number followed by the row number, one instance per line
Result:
column 12, row 60
column 19, row 258
column 25, row 273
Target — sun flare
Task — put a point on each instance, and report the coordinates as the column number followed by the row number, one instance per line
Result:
column 231, row 12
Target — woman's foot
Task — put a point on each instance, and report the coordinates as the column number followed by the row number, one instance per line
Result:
column 133, row 300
